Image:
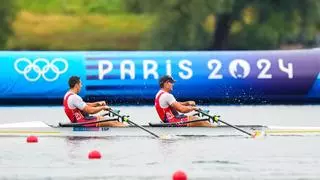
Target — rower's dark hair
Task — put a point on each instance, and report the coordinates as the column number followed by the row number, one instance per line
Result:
column 73, row 80
column 164, row 79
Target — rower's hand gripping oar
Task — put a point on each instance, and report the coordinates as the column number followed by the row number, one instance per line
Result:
column 125, row 118
column 217, row 119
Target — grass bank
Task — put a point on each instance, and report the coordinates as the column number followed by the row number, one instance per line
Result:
column 78, row 32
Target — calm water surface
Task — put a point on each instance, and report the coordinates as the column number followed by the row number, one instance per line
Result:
column 276, row 157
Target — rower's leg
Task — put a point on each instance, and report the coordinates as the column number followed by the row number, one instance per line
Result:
column 111, row 124
column 118, row 124
column 198, row 124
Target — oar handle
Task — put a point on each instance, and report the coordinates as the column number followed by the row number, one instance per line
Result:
column 214, row 118
column 124, row 118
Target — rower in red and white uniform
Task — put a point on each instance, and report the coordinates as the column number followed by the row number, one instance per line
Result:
column 169, row 109
column 77, row 110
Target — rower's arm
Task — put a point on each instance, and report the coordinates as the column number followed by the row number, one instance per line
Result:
column 98, row 103
column 94, row 104
column 188, row 103
column 182, row 108
column 93, row 110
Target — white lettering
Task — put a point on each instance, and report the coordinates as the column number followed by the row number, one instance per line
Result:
column 215, row 69
column 130, row 71
column 168, row 67
column 264, row 65
column 150, row 71
column 103, row 71
column 288, row 70
column 186, row 66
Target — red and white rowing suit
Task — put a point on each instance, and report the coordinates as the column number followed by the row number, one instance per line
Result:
column 167, row 114
column 73, row 107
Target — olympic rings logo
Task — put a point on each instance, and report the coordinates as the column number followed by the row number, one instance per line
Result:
column 41, row 67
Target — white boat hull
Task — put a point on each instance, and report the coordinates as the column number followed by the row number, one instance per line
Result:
column 42, row 129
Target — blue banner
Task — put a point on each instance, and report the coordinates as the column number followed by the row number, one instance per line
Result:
column 38, row 75
column 122, row 76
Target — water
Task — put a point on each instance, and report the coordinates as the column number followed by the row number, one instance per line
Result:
column 276, row 157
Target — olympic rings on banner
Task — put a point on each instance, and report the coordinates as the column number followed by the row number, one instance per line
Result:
column 41, row 70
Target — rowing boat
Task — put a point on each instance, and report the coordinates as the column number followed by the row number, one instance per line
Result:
column 43, row 129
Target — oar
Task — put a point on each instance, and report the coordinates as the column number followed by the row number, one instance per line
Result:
column 235, row 127
column 126, row 119
column 86, row 123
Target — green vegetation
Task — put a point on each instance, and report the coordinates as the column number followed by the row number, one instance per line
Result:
column 73, row 7
column 157, row 24
column 89, row 32
column 7, row 14
column 239, row 24
column 76, row 25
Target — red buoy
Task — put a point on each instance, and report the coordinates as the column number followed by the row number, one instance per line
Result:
column 179, row 175
column 94, row 155
column 32, row 139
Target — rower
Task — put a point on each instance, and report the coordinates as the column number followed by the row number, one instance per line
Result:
column 169, row 109
column 77, row 110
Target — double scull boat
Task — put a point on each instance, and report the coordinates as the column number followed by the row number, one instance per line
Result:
column 43, row 129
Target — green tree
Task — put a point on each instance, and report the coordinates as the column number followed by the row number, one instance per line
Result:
column 179, row 24
column 7, row 14
column 238, row 24
column 277, row 22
